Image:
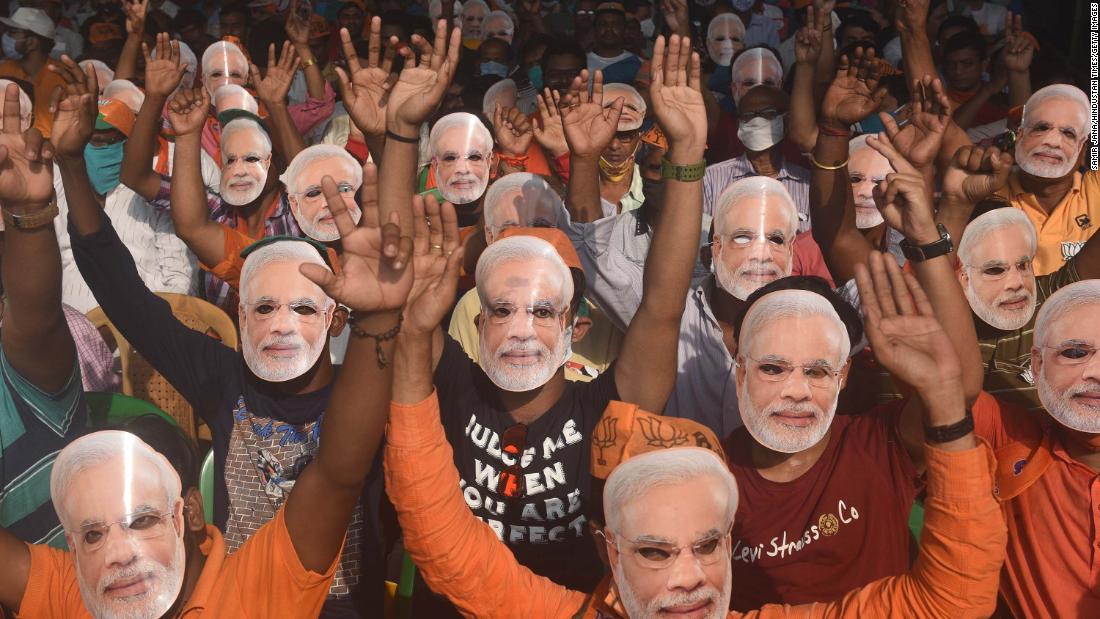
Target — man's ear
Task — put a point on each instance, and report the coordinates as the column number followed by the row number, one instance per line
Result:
column 580, row 328
column 193, row 515
column 339, row 319
column 1036, row 362
column 602, row 547
column 844, row 372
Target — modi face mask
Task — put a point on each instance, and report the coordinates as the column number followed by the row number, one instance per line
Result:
column 461, row 150
column 790, row 356
column 866, row 167
column 223, row 63
column 120, row 504
column 755, row 222
column 246, row 159
column 520, row 199
column 753, row 67
column 284, row 317
column 996, row 251
column 725, row 37
column 307, row 201
column 1055, row 125
column 524, row 330
column 1066, row 337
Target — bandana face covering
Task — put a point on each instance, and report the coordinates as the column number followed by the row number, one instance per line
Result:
column 616, row 173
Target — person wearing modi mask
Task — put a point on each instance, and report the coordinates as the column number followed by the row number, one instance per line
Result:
column 620, row 179
column 725, row 38
column 461, row 150
column 751, row 67
column 866, row 169
column 1062, row 203
column 668, row 514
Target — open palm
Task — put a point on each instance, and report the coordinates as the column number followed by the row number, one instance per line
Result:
column 437, row 257
column 23, row 180
column 587, row 124
column 75, row 105
column 420, row 86
column 366, row 91
column 675, row 92
column 854, row 93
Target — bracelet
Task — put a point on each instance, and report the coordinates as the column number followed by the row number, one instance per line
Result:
column 30, row 220
column 945, row 434
column 683, row 173
column 400, row 138
column 309, row 63
column 836, row 133
column 378, row 338
column 821, row 166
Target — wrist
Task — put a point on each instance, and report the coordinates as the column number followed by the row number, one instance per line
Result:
column 684, row 155
column 69, row 161
column 944, row 402
column 833, row 127
column 924, row 233
column 403, row 128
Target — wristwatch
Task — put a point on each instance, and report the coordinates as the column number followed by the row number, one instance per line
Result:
column 30, row 220
column 946, row 434
column 920, row 253
column 682, row 173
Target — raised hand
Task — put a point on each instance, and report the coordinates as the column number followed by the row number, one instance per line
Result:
column 297, row 29
column 512, row 131
column 368, row 280
column 163, row 73
column 437, row 258
column 26, row 170
column 422, row 83
column 902, row 328
column 1019, row 46
column 273, row 87
column 854, row 93
column 75, row 107
column 975, row 173
column 187, row 110
column 135, row 15
column 903, row 197
column 677, row 99
column 807, row 42
column 919, row 141
column 676, row 17
column 367, row 92
column 551, row 135
column 588, row 126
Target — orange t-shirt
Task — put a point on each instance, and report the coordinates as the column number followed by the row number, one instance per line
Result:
column 263, row 579
column 229, row 269
column 44, row 84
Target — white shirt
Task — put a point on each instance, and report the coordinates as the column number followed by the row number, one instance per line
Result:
column 990, row 18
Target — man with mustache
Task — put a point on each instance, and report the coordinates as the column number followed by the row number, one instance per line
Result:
column 670, row 512
column 1061, row 202
column 996, row 253
column 461, row 148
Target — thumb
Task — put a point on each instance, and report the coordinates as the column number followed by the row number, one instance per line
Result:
column 321, row 276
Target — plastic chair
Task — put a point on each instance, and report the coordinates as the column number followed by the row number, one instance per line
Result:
column 206, row 486
column 139, row 379
column 111, row 409
column 916, row 519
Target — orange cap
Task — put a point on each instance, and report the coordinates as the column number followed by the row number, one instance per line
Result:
column 114, row 114
column 626, row 431
column 553, row 236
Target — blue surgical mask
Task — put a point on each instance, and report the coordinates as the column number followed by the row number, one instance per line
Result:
column 8, row 42
column 104, row 165
column 535, row 75
column 494, row 68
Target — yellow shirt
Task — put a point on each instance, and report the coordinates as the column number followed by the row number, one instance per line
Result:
column 591, row 356
column 1063, row 231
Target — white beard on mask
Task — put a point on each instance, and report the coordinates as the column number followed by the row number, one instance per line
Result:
column 1005, row 320
column 1059, row 407
column 867, row 216
column 721, row 52
column 283, row 369
column 750, row 276
column 775, row 435
column 634, row 610
column 464, row 195
column 1042, row 169
column 519, row 379
column 326, row 232
column 151, row 604
column 242, row 196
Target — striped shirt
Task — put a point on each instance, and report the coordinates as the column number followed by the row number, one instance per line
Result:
column 1006, row 355
column 795, row 178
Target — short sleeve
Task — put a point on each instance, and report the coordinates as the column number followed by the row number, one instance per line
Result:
column 229, row 269
column 52, row 589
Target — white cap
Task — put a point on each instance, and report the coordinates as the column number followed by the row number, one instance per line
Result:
column 32, row 20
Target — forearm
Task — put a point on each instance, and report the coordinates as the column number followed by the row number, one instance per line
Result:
column 916, row 51
column 954, row 215
column 128, row 59
column 284, row 133
column 375, row 145
column 84, row 210
column 397, row 186
column 190, row 211
column 315, row 82
column 1019, row 88
column 137, row 162
column 803, row 116
column 937, row 278
column 832, row 208
column 964, row 114
column 583, row 192
column 413, row 365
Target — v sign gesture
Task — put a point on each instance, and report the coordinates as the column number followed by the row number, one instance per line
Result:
column 26, row 173
column 902, row 197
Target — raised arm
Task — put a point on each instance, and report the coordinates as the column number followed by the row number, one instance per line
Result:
column 190, row 211
column 297, row 32
column 645, row 371
column 366, row 91
column 589, row 128
column 803, row 116
column 1016, row 57
column 550, row 133
column 272, row 89
column 513, row 133
column 973, row 174
column 162, row 76
column 319, row 509
column 135, row 33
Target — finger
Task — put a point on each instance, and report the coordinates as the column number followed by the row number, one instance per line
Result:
column 420, row 225
column 392, row 242
column 557, row 103
column 388, row 54
column 496, row 116
column 448, row 285
column 337, row 207
column 423, row 48
column 145, row 52
column 323, row 277
column 902, row 296
column 695, row 75
column 451, row 236
column 614, row 111
column 672, row 60
column 657, row 65
column 435, row 224
column 974, row 161
column 32, row 144
column 540, row 102
column 868, row 301
column 440, row 44
column 682, row 61
column 174, row 52
column 882, row 285
column 884, row 147
column 453, row 49
column 11, row 109
column 890, row 124
column 597, row 88
column 374, row 43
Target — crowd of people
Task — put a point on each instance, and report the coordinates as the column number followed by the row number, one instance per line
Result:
column 607, row 310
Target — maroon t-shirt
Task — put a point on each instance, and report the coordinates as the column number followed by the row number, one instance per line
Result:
column 841, row 525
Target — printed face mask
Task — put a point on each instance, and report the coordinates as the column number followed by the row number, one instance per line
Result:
column 246, row 159
column 866, row 169
column 999, row 279
column 309, row 206
column 752, row 244
column 1068, row 384
column 284, row 321
column 125, row 530
column 226, row 67
column 462, row 149
column 756, row 66
column 725, row 37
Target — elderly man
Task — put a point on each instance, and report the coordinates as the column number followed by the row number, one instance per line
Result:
column 162, row 559
column 1062, row 203
column 473, row 15
column 660, row 506
column 609, row 53
column 461, row 150
column 725, row 39
column 518, row 396
column 752, row 67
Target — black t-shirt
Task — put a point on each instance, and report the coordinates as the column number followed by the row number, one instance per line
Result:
column 262, row 440
column 545, row 524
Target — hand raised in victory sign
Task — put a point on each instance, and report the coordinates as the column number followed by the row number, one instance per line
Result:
column 26, row 170
column 919, row 141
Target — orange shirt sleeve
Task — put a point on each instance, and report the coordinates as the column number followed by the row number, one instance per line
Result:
column 229, row 269
column 52, row 590
column 458, row 555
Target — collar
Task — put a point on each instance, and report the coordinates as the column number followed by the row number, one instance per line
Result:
column 745, row 166
column 635, row 191
column 1017, row 192
column 214, row 550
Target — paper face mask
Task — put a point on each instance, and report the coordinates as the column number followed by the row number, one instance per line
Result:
column 755, row 222
column 1054, row 129
column 284, row 317
column 223, row 63
column 725, row 37
column 792, row 349
column 461, row 149
column 755, row 66
column 120, row 503
column 866, row 167
column 307, row 201
column 1066, row 337
column 524, row 330
column 520, row 199
column 996, row 251
column 246, row 158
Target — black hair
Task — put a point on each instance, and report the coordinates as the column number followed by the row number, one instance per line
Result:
column 861, row 20
column 849, row 50
column 958, row 21
column 848, row 314
column 964, row 41
column 987, row 204
column 239, row 8
column 169, row 440
column 509, row 53
column 563, row 47
column 189, row 17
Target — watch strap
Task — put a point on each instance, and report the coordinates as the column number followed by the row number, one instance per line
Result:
column 935, row 249
column 945, row 434
column 683, row 173
column 31, row 219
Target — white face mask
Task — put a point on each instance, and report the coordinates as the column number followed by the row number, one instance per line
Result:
column 519, row 379
column 777, row 436
column 721, row 52
column 1040, row 168
column 760, row 134
column 993, row 315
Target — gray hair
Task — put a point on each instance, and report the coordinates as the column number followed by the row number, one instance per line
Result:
column 511, row 29
column 244, row 124
column 98, row 448
column 792, row 303
column 1077, row 294
column 988, row 223
column 288, row 250
column 521, row 249
column 535, row 190
column 1065, row 92
column 722, row 18
column 313, row 153
column 754, row 186
column 125, row 91
column 224, row 48
column 759, row 56
column 489, row 101
column 474, row 126
column 228, row 90
column 664, row 467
